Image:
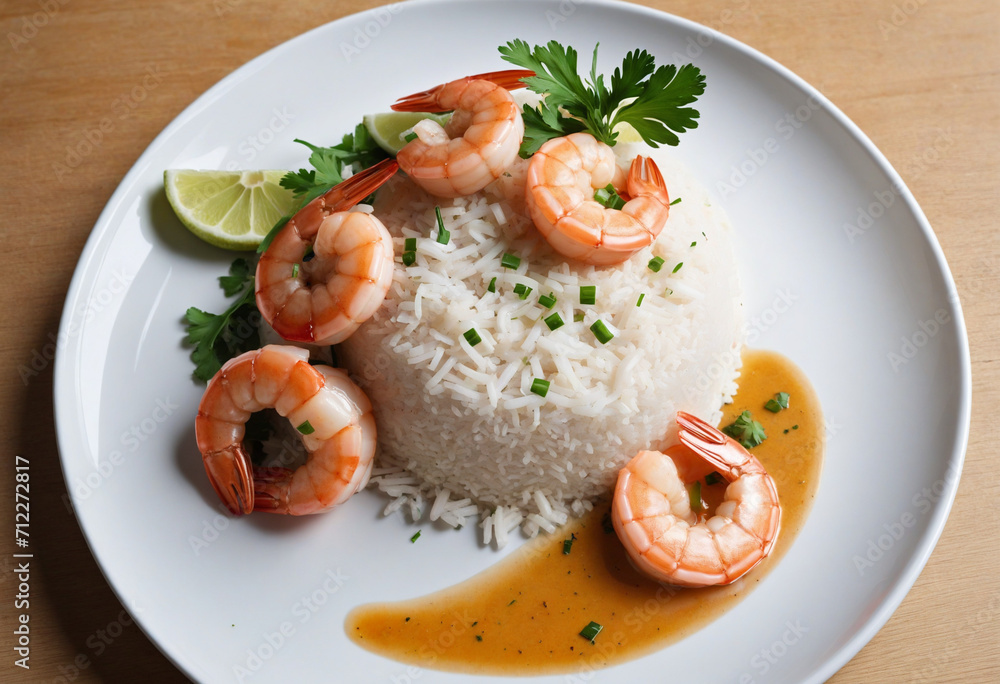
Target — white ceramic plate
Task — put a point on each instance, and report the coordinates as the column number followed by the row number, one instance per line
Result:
column 869, row 312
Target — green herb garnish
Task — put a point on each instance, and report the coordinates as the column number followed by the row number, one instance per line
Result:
column 522, row 290
column 577, row 317
column 746, row 430
column 410, row 137
column 472, row 337
column 694, row 493
column 713, row 478
column 588, row 294
column 413, row 539
column 638, row 302
column 219, row 337
column 591, row 631
column 443, row 235
column 676, row 201
column 409, row 258
column 410, row 245
column 655, row 96
column 677, row 267
column 568, row 544
column 539, row 386
column 601, row 332
column 548, row 301
column 295, row 270
column 554, row 321
column 655, row 264
column 306, row 428
column 492, row 287
column 609, row 197
column 508, row 260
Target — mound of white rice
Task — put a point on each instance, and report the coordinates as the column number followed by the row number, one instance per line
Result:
column 461, row 435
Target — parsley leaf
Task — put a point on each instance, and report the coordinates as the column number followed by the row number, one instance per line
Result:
column 649, row 98
column 219, row 337
column 357, row 149
column 746, row 430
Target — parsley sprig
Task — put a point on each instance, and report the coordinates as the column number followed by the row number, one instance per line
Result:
column 648, row 97
column 328, row 165
column 219, row 337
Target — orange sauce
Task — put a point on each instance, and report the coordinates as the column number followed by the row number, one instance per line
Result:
column 524, row 615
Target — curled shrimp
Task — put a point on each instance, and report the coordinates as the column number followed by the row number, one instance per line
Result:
column 666, row 540
column 480, row 141
column 328, row 270
column 332, row 415
column 559, row 191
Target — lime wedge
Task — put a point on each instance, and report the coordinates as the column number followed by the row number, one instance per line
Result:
column 626, row 133
column 389, row 129
column 228, row 209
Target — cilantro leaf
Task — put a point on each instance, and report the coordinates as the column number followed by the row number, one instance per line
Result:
column 746, row 430
column 651, row 99
column 219, row 337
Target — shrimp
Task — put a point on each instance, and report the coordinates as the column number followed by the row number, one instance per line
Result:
column 328, row 270
column 488, row 122
column 665, row 539
column 559, row 192
column 333, row 416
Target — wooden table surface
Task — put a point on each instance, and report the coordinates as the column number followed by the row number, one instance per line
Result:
column 904, row 70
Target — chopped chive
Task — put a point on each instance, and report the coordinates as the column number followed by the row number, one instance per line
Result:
column 410, row 137
column 713, row 478
column 795, row 427
column 591, row 631
column 667, row 292
column 694, row 493
column 479, row 637
column 409, row 258
column 577, row 317
column 492, row 287
column 588, row 294
column 512, row 602
column 522, row 290
column 306, row 428
column 410, row 245
column 527, row 291
column 413, row 539
column 407, row 619
column 638, row 302
column 539, row 386
column 601, row 332
column 568, row 544
column 308, row 256
column 554, row 321
column 508, row 260
column 677, row 267
column 782, row 399
column 694, row 243
column 676, row 201
column 786, row 432
column 548, row 301
column 655, row 264
column 772, row 406
column 472, row 337
column 443, row 235
column 295, row 270
column 609, row 197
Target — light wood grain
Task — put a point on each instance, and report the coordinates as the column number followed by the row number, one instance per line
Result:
column 905, row 71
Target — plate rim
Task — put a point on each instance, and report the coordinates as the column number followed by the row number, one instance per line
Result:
column 887, row 605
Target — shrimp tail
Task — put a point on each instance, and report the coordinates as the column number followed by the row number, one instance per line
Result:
column 426, row 100
column 229, row 471
column 710, row 444
column 345, row 195
column 270, row 486
column 652, row 185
